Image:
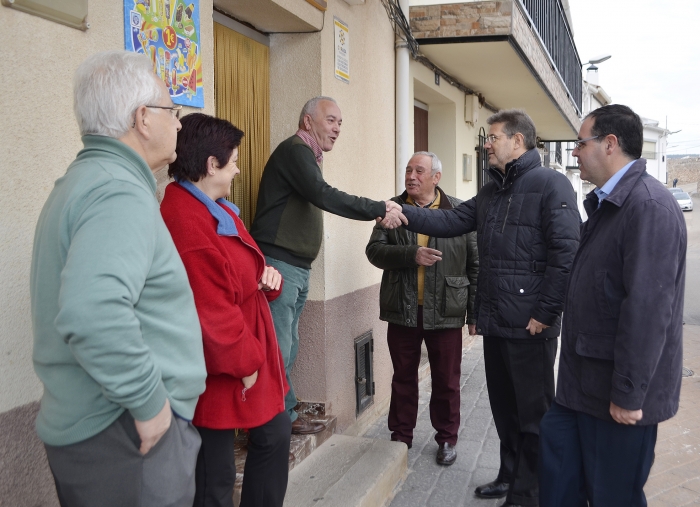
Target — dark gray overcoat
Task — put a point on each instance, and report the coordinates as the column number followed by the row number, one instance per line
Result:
column 623, row 319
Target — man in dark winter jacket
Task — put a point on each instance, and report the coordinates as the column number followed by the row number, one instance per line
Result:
column 428, row 288
column 621, row 352
column 527, row 228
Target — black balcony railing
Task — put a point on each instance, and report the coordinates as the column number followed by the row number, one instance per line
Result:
column 552, row 150
column 550, row 22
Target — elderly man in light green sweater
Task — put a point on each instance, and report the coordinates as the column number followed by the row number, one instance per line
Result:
column 117, row 342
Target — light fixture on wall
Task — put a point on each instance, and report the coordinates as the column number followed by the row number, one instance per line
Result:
column 471, row 109
column 592, row 71
column 72, row 13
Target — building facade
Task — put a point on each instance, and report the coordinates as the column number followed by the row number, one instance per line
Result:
column 496, row 55
column 40, row 138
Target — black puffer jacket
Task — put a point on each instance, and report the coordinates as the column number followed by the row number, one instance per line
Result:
column 450, row 284
column 527, row 228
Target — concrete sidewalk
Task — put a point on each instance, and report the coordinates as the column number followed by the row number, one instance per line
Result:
column 674, row 479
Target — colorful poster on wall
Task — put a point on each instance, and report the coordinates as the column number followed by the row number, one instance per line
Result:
column 167, row 31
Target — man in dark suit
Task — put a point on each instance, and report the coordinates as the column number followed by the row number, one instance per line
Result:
column 621, row 353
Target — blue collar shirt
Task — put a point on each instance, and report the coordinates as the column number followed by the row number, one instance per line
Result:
column 607, row 189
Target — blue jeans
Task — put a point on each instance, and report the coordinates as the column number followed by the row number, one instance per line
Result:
column 286, row 310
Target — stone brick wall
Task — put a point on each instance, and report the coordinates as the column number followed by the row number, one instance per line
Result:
column 488, row 19
column 687, row 170
column 461, row 20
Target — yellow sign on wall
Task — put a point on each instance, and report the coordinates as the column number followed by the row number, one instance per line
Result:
column 342, row 50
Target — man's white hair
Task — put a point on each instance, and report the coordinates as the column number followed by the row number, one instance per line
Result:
column 311, row 106
column 436, row 166
column 108, row 87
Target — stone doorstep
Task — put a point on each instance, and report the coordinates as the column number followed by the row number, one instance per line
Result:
column 348, row 472
column 381, row 486
column 301, row 446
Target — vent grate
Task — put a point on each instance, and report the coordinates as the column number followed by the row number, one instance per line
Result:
column 364, row 371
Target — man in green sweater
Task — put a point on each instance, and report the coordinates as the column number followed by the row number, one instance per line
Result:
column 288, row 224
column 117, row 342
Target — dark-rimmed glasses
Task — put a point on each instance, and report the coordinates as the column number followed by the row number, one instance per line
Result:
column 582, row 142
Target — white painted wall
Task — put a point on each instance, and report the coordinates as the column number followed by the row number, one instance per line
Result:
column 449, row 136
column 39, row 140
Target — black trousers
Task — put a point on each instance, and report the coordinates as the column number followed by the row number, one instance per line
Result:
column 266, row 467
column 585, row 460
column 520, row 381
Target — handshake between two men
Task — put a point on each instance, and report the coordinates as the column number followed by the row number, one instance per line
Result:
column 393, row 219
column 394, row 216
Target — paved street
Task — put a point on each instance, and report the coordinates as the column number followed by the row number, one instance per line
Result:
column 675, row 476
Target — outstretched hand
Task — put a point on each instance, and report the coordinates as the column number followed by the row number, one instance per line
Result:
column 394, row 216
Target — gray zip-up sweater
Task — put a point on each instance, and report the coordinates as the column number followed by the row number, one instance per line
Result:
column 115, row 326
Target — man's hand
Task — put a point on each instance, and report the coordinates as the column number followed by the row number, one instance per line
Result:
column 270, row 280
column 152, row 431
column 427, row 256
column 472, row 329
column 535, row 327
column 250, row 380
column 624, row 416
column 394, row 216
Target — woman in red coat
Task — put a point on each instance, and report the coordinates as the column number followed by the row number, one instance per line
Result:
column 232, row 286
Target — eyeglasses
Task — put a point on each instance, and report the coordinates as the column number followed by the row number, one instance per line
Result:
column 174, row 110
column 582, row 142
column 492, row 138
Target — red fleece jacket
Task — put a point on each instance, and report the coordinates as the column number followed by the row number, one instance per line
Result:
column 237, row 329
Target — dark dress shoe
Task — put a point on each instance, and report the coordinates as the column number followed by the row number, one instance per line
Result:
column 495, row 489
column 397, row 440
column 305, row 427
column 508, row 504
column 446, row 455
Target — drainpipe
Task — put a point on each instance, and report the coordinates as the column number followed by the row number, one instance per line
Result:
column 404, row 136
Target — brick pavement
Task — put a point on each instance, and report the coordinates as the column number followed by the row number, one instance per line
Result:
column 674, row 479
column 429, row 484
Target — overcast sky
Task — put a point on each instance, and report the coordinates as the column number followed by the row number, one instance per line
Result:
column 655, row 64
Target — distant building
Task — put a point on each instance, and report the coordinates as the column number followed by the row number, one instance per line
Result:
column 654, row 150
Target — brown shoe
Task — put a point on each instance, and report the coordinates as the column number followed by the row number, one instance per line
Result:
column 305, row 427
